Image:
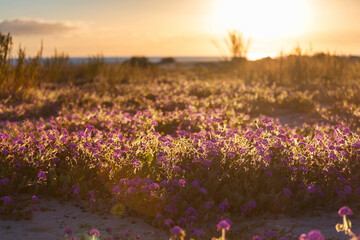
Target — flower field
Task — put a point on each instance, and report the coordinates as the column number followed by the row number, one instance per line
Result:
column 181, row 153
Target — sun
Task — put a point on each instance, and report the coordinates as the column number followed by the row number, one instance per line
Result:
column 261, row 18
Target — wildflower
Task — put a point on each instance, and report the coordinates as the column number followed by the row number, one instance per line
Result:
column 182, row 221
column 287, row 192
column 191, row 211
column 164, row 183
column 42, row 175
column 198, row 232
column 344, row 211
column 224, row 205
column 168, row 222
column 311, row 188
column 68, row 231
column 209, row 204
column 94, row 232
column 176, row 168
column 158, row 215
column 182, row 183
column 171, row 208
column 4, row 181
column 55, row 160
column 131, row 190
column 127, row 234
column 269, row 234
column 177, row 231
column 203, row 191
column 196, row 183
column 108, row 229
column 341, row 193
column 315, row 235
column 256, row 237
column 224, row 224
column 347, row 190
column 35, row 208
column 154, row 186
column 76, row 189
column 252, row 204
column 7, row 199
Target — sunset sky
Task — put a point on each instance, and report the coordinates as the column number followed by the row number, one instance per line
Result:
column 180, row 27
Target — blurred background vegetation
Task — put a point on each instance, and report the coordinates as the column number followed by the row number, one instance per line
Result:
column 303, row 71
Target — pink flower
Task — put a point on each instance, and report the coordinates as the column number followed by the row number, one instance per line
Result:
column 315, row 235
column 94, row 232
column 68, row 231
column 224, row 224
column 312, row 235
column 345, row 211
column 35, row 198
column 42, row 175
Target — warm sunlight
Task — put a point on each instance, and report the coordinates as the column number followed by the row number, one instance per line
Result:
column 261, row 18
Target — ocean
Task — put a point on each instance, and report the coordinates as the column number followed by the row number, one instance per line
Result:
column 151, row 59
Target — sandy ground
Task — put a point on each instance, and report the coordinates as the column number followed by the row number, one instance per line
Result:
column 55, row 216
column 319, row 220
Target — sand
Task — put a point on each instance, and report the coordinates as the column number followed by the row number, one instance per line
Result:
column 55, row 216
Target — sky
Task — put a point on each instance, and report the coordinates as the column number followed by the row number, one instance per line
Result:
column 83, row 28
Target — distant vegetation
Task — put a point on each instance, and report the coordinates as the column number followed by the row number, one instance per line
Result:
column 167, row 60
column 299, row 69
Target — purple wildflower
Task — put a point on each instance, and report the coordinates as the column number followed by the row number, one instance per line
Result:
column 182, row 183
column 176, row 169
column 42, row 175
column 287, row 192
column 311, row 188
column 209, row 204
column 198, row 232
column 177, row 231
column 94, row 232
column 224, row 205
column 171, row 208
column 347, row 189
column 345, row 211
column 223, row 224
column 315, row 235
column 269, row 234
column 4, row 181
column 76, row 189
column 256, row 237
column 35, row 198
column 203, row 191
column 68, row 231
column 168, row 222
column 6, row 199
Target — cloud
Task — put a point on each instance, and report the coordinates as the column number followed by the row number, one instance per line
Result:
column 34, row 27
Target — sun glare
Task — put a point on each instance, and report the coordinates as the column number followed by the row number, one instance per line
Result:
column 261, row 18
